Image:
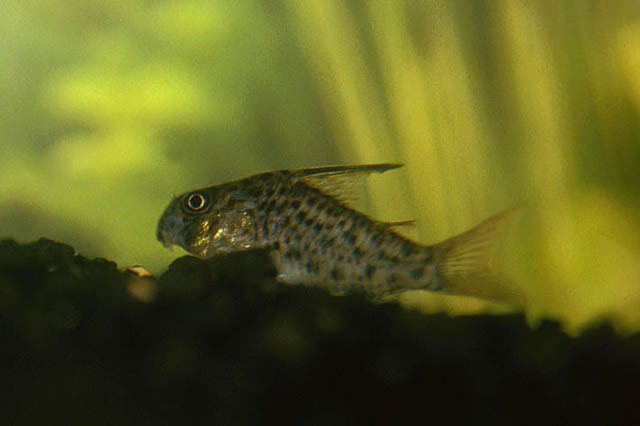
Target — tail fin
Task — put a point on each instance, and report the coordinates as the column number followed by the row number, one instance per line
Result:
column 464, row 265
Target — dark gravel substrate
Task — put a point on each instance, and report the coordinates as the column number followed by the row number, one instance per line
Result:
column 222, row 343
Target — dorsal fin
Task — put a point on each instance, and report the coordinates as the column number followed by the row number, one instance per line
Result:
column 338, row 181
column 361, row 169
column 399, row 223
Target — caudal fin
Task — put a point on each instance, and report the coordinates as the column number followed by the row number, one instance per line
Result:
column 464, row 265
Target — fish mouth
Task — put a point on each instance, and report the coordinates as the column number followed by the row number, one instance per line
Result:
column 162, row 237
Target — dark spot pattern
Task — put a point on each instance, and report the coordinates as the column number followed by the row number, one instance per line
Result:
column 299, row 190
column 376, row 238
column 321, row 239
column 295, row 254
column 299, row 218
column 311, row 201
column 369, row 270
column 312, row 266
column 347, row 237
column 336, row 274
column 317, row 236
column 357, row 254
column 407, row 249
column 429, row 255
column 351, row 236
column 417, row 273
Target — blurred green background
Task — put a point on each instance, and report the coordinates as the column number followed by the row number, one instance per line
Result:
column 110, row 106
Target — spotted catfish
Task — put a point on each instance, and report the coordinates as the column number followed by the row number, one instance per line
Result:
column 315, row 237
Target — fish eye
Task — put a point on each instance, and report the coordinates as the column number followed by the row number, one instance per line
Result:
column 195, row 202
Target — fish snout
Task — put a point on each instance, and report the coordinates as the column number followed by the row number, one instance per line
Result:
column 161, row 234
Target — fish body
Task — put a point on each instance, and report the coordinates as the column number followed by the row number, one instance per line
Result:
column 316, row 238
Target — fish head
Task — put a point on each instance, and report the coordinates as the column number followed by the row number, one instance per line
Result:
column 207, row 222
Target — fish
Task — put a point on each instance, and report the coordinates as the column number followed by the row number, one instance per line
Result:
column 315, row 237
